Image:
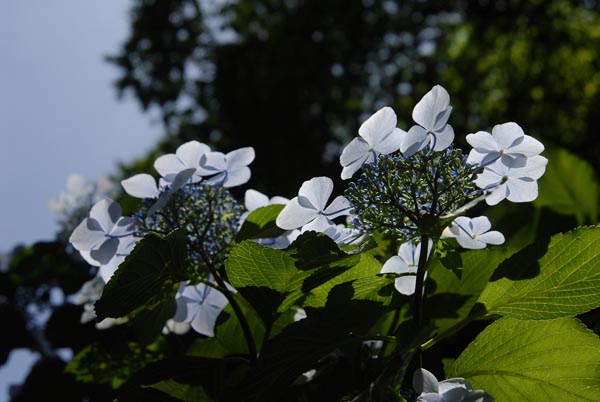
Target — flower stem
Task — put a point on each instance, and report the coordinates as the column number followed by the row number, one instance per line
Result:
column 236, row 308
column 418, row 298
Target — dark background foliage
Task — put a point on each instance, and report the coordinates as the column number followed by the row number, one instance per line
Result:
column 294, row 79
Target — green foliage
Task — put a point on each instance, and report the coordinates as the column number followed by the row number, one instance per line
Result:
column 261, row 224
column 149, row 275
column 559, row 278
column 569, row 187
column 181, row 392
column 514, row 360
column 274, row 280
column 112, row 364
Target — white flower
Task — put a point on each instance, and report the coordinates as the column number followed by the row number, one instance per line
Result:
column 81, row 193
column 431, row 114
column 406, row 262
column 378, row 135
column 517, row 184
column 255, row 199
column 230, row 169
column 187, row 156
column 90, row 291
column 343, row 235
column 199, row 305
column 451, row 390
column 308, row 211
column 174, row 327
column 507, row 142
column 472, row 233
column 143, row 186
column 104, row 234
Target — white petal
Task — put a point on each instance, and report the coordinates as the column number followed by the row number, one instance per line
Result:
column 483, row 142
column 481, row 224
column 106, row 251
column 319, row 224
column 168, row 164
column 406, row 284
column 124, row 226
column 431, row 108
column 507, row 135
column 190, row 152
column 348, row 171
column 185, row 308
column 395, row 265
column 529, row 146
column 378, row 125
column 488, row 178
column 106, row 212
column 316, row 191
column 205, row 319
column 88, row 258
column 522, row 190
column 107, row 270
column 534, row 168
column 338, row 207
column 470, row 243
column 414, row 140
column 237, row 177
column 390, row 143
column 255, row 199
column 407, row 252
column 424, row 381
column 357, row 149
column 279, row 200
column 497, row 194
column 140, row 186
column 492, row 237
column 212, row 163
column 443, row 138
column 239, row 158
column 294, row 215
column 87, row 235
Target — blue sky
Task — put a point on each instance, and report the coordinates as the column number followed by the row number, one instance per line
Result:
column 59, row 114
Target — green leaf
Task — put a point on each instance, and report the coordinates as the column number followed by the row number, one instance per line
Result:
column 559, row 278
column 454, row 298
column 112, row 364
column 148, row 275
column 261, row 224
column 569, row 187
column 515, row 360
column 182, row 392
column 274, row 280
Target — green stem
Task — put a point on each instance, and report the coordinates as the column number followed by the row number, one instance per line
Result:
column 418, row 297
column 236, row 308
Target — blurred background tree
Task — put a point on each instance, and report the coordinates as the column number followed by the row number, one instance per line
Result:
column 294, row 79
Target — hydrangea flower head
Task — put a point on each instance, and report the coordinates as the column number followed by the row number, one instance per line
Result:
column 516, row 184
column 507, row 143
column 431, row 114
column 451, row 390
column 200, row 306
column 473, row 233
column 228, row 170
column 187, row 156
column 377, row 135
column 104, row 234
column 406, row 262
column 309, row 211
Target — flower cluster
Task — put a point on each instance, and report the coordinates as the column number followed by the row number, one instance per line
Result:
column 413, row 183
column 192, row 193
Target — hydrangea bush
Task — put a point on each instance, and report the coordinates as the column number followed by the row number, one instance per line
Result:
column 270, row 298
